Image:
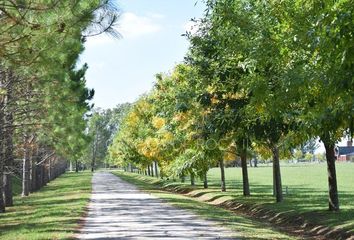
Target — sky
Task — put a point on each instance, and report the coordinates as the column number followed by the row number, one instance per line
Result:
column 120, row 70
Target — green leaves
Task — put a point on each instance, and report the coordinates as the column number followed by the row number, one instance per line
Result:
column 276, row 73
column 40, row 41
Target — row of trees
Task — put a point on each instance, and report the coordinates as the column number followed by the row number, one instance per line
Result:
column 265, row 76
column 101, row 129
column 43, row 97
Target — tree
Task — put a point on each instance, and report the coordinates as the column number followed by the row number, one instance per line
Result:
column 31, row 67
column 102, row 127
column 323, row 70
column 245, row 87
column 276, row 75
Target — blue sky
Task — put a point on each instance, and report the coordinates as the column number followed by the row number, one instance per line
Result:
column 121, row 70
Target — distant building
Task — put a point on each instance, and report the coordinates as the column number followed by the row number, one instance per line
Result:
column 345, row 153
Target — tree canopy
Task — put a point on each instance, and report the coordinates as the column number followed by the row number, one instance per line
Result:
column 260, row 76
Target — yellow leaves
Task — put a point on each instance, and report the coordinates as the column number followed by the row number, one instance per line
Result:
column 228, row 96
column 238, row 95
column 211, row 89
column 132, row 119
column 180, row 71
column 262, row 150
column 149, row 148
column 230, row 153
column 314, row 90
column 206, row 112
column 158, row 122
column 214, row 100
column 260, row 108
column 229, row 156
column 3, row 91
column 138, row 113
column 227, row 107
column 143, row 105
column 167, row 136
column 180, row 117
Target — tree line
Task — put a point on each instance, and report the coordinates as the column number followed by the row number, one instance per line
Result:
column 263, row 76
column 101, row 128
column 43, row 93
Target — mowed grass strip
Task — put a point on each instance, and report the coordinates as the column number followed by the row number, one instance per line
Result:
column 307, row 191
column 51, row 213
column 245, row 228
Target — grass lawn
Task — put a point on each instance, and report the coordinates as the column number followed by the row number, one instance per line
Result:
column 307, row 191
column 51, row 213
column 245, row 228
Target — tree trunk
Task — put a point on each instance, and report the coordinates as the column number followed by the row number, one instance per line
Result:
column 255, row 161
column 274, row 190
column 49, row 169
column 39, row 173
column 149, row 173
column 156, row 171
column 246, row 185
column 9, row 156
column 93, row 162
column 8, row 141
column 34, row 170
column 33, row 174
column 44, row 175
column 2, row 202
column 276, row 175
column 76, row 166
column 2, row 155
column 333, row 201
column 192, row 179
column 8, row 196
column 93, row 165
column 2, row 160
column 26, row 168
column 222, row 171
column 152, row 169
column 205, row 181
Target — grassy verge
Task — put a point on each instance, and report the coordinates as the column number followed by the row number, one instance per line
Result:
column 307, row 192
column 245, row 228
column 306, row 200
column 51, row 213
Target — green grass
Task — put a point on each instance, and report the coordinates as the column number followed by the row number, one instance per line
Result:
column 51, row 213
column 244, row 228
column 307, row 191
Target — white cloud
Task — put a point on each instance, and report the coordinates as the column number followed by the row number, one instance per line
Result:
column 129, row 26
column 134, row 26
column 156, row 15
